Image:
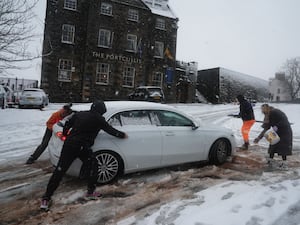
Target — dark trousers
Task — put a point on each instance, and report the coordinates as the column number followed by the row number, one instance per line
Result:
column 68, row 154
column 41, row 148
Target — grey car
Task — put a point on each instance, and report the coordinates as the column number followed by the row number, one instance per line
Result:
column 33, row 97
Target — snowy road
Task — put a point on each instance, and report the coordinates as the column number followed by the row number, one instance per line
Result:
column 21, row 130
column 190, row 194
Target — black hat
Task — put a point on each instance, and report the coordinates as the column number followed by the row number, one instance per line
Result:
column 67, row 106
column 240, row 98
column 98, row 106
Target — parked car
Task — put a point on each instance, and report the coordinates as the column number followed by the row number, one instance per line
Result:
column 3, row 103
column 33, row 97
column 159, row 136
column 147, row 93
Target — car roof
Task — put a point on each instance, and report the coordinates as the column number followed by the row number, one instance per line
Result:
column 149, row 87
column 33, row 89
column 118, row 106
column 124, row 105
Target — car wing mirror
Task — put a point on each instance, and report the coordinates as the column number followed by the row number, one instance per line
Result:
column 195, row 127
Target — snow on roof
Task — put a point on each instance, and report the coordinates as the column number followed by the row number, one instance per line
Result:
column 247, row 79
column 160, row 7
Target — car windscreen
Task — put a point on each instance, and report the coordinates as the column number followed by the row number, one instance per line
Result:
column 155, row 90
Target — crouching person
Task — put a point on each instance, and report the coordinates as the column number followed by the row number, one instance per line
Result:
column 280, row 124
column 85, row 127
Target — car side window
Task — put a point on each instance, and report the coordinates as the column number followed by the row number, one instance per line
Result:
column 154, row 118
column 115, row 120
column 134, row 117
column 168, row 118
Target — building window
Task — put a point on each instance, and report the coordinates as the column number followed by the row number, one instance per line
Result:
column 102, row 73
column 278, row 91
column 68, row 33
column 157, row 79
column 133, row 15
column 70, row 4
column 131, row 43
column 105, row 38
column 128, row 76
column 160, row 24
column 155, row 3
column 159, row 49
column 65, row 70
column 106, row 9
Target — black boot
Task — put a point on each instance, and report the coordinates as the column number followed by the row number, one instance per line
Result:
column 245, row 146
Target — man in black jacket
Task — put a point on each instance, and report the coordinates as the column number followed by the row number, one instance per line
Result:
column 247, row 115
column 85, row 127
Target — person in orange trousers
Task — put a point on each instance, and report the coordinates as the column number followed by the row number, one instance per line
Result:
column 247, row 115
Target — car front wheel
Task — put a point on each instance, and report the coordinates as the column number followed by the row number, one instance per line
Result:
column 107, row 167
column 219, row 152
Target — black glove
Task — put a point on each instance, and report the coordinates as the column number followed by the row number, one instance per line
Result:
column 256, row 140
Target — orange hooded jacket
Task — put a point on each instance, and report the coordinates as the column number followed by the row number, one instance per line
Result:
column 54, row 118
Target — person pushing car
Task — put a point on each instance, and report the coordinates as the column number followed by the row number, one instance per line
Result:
column 54, row 118
column 84, row 127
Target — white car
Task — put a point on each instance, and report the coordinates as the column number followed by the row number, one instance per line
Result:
column 33, row 97
column 158, row 136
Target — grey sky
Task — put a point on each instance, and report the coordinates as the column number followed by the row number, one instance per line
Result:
column 254, row 37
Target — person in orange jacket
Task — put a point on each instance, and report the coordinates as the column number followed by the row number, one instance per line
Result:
column 54, row 118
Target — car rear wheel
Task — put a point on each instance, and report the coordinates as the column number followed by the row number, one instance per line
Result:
column 219, row 152
column 108, row 166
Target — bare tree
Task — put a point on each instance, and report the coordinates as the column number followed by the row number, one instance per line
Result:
column 16, row 32
column 292, row 71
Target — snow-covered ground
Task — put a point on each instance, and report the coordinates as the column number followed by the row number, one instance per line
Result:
column 270, row 200
column 273, row 199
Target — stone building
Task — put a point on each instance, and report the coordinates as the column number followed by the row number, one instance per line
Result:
column 220, row 85
column 103, row 49
column 279, row 89
column 186, row 72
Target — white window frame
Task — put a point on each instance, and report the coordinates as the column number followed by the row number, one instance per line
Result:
column 157, row 79
column 159, row 49
column 65, row 70
column 106, row 9
column 102, row 73
column 160, row 24
column 70, row 4
column 68, row 34
column 133, row 15
column 131, row 43
column 105, row 38
column 128, row 76
column 154, row 3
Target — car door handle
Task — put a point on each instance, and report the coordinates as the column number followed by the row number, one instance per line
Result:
column 170, row 134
